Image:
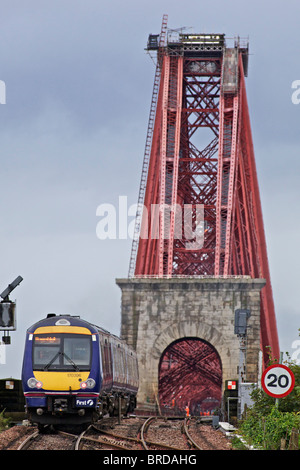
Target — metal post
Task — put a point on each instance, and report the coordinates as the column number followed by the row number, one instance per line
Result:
column 240, row 328
column 228, row 400
column 120, row 406
column 242, row 371
column 280, row 362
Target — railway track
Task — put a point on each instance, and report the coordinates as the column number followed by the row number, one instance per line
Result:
column 154, row 433
column 57, row 441
column 164, row 429
column 95, row 438
column 202, row 436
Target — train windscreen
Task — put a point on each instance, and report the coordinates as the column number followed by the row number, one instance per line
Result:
column 62, row 352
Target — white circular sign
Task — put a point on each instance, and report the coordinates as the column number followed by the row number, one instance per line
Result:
column 278, row 380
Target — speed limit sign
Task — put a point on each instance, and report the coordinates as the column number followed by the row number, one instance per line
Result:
column 278, row 380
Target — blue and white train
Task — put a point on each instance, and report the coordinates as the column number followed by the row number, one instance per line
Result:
column 75, row 372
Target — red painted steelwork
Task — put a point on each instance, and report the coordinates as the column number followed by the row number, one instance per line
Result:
column 187, row 178
column 199, row 363
column 202, row 156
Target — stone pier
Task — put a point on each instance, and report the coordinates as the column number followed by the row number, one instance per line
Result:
column 156, row 312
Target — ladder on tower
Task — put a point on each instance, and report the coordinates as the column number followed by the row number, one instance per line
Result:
column 147, row 152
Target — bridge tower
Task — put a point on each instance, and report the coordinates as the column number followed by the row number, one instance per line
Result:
column 199, row 216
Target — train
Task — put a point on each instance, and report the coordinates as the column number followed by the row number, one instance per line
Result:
column 74, row 373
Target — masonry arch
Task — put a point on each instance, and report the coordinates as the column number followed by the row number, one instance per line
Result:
column 190, row 373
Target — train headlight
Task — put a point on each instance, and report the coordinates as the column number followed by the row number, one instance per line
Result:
column 89, row 383
column 33, row 383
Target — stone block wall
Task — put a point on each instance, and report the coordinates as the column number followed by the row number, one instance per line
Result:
column 156, row 312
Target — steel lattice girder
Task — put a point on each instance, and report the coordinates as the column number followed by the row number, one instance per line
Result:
column 189, row 373
column 194, row 170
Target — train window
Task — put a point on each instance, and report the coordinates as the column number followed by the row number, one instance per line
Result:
column 62, row 352
column 77, row 349
column 44, row 354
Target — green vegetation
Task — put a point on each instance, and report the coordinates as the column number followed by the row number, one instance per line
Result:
column 4, row 422
column 269, row 425
column 268, row 431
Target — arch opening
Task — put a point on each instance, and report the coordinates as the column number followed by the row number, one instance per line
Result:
column 190, row 374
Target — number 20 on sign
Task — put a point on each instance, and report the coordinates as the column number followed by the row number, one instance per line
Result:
column 278, row 380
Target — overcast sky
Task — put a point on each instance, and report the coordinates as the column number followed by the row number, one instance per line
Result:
column 72, row 133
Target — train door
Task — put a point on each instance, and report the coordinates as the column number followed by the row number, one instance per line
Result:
column 106, row 362
column 118, row 362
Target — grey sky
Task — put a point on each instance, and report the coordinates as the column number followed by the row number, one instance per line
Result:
column 72, row 136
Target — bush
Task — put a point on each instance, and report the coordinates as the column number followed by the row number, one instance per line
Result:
column 266, row 431
column 4, row 422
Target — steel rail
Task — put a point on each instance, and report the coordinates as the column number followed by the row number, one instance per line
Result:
column 188, row 436
column 144, row 428
column 26, row 443
column 146, row 442
column 79, row 438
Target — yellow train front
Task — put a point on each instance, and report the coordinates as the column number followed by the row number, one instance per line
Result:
column 75, row 372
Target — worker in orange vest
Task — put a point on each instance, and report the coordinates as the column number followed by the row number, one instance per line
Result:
column 187, row 411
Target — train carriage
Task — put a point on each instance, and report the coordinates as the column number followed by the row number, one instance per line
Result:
column 75, row 372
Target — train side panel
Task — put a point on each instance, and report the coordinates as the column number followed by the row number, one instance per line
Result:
column 131, row 370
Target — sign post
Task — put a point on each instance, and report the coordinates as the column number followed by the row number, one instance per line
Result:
column 8, row 311
column 278, row 381
column 240, row 329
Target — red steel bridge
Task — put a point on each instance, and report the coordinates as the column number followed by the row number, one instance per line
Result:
column 199, row 210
